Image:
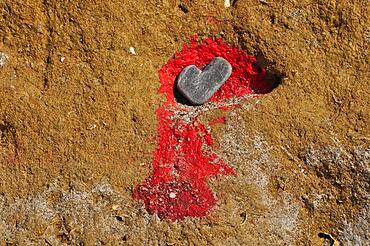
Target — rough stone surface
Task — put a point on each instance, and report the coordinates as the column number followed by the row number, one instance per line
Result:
column 301, row 153
column 198, row 86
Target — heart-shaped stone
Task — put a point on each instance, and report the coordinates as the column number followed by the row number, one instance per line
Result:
column 198, row 86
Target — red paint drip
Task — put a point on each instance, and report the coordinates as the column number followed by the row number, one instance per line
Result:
column 183, row 160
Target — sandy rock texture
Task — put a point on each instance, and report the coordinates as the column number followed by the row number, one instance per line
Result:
column 78, row 124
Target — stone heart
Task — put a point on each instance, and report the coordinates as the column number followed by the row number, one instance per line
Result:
column 198, row 86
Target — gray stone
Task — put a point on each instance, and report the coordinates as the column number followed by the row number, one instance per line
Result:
column 198, row 86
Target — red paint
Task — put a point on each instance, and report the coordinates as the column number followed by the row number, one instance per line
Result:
column 183, row 160
column 219, row 120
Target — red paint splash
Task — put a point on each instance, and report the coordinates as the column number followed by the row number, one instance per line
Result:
column 184, row 160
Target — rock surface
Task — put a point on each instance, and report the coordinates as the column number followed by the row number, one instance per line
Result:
column 301, row 154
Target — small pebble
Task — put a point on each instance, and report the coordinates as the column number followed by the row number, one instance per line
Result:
column 198, row 86
column 132, row 50
column 4, row 58
column 227, row 3
column 172, row 195
column 92, row 127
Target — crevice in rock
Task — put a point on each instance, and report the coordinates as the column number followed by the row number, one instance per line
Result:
column 49, row 46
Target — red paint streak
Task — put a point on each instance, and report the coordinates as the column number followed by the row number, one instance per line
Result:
column 183, row 160
column 219, row 120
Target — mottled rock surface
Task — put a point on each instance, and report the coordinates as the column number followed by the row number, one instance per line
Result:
column 76, row 136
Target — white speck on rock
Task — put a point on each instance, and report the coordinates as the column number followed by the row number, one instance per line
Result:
column 132, row 50
column 172, row 195
column 227, row 3
column 93, row 126
column 62, row 59
column 4, row 58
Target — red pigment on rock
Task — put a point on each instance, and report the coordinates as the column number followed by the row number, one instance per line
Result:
column 219, row 120
column 184, row 160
